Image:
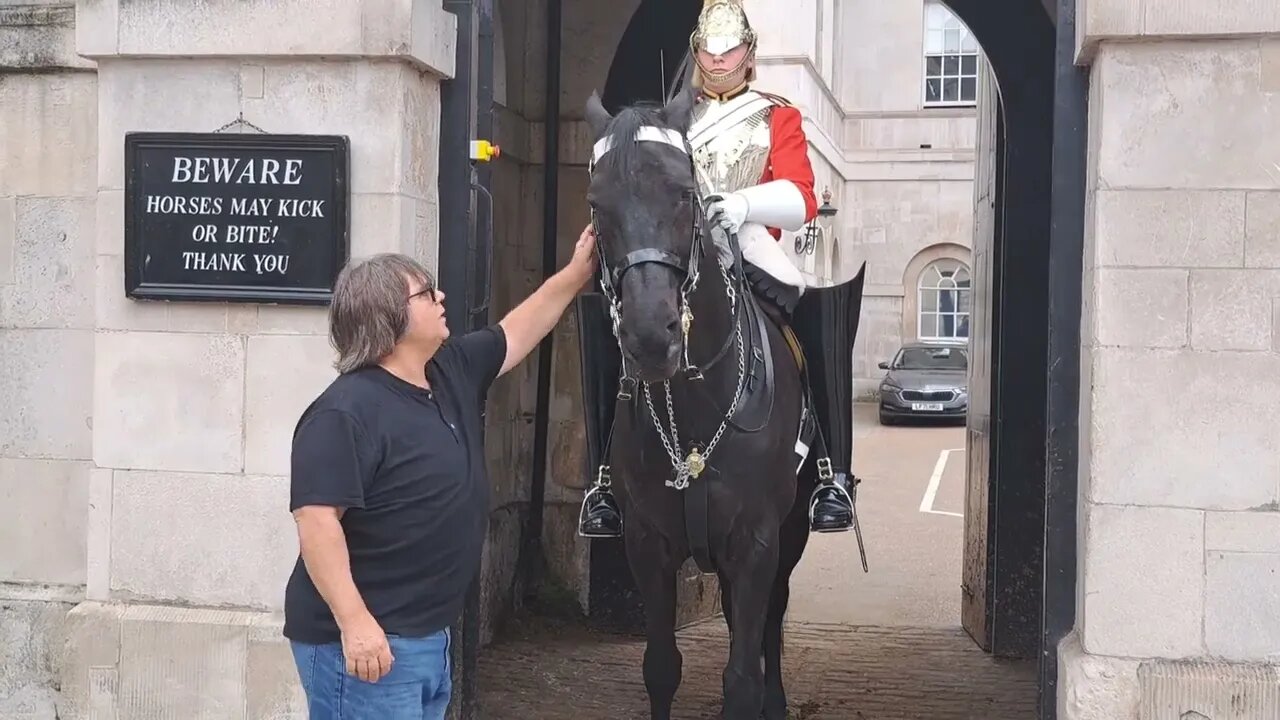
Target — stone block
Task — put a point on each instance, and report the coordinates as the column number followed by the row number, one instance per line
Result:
column 1231, row 309
column 53, row 265
column 169, row 401
column 257, row 544
column 288, row 320
column 1215, row 450
column 48, row 500
column 419, row 32
column 284, row 375
column 195, row 317
column 1142, row 308
column 142, row 96
column 1242, row 602
column 39, row 37
column 1207, row 689
column 109, row 226
column 50, row 123
column 1143, row 564
column 1242, row 532
column 29, row 633
column 1093, row 687
column 98, row 534
column 364, row 101
column 420, row 136
column 86, row 662
column 115, row 311
column 1153, row 228
column 46, row 382
column 1262, row 229
column 381, row 223
column 1203, row 98
column 1271, row 65
column 251, row 81
column 1187, row 17
column 1100, row 19
column 176, row 662
column 272, row 690
column 8, row 240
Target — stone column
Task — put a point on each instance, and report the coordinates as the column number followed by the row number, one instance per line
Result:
column 1179, row 585
column 193, row 404
column 48, row 145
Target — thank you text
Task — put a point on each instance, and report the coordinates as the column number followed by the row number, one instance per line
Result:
column 258, row 218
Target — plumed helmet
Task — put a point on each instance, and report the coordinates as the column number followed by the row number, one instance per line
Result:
column 722, row 26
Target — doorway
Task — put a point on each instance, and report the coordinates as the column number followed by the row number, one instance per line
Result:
column 1020, row 450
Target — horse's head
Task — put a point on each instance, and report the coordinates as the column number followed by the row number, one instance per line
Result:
column 643, row 200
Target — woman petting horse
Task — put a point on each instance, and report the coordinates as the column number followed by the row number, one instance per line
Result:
column 752, row 152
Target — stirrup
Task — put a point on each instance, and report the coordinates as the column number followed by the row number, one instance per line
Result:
column 602, row 485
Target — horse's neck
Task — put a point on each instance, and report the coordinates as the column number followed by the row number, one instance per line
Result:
column 712, row 332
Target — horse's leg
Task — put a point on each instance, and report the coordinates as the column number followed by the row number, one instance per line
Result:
column 654, row 569
column 750, row 589
column 794, row 538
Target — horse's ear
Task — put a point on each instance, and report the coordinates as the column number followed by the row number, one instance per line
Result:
column 679, row 112
column 597, row 117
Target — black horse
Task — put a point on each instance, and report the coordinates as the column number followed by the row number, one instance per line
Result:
column 714, row 411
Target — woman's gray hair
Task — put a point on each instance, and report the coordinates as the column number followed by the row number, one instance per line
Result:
column 370, row 308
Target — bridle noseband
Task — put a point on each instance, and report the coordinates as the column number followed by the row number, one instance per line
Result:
column 611, row 278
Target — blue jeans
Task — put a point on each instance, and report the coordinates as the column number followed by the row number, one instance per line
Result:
column 417, row 688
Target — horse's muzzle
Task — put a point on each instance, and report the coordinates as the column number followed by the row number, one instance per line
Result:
column 652, row 355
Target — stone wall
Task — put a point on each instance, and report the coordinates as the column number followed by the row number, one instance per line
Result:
column 48, row 150
column 146, row 446
column 1179, row 584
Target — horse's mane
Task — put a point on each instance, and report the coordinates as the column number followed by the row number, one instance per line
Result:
column 626, row 156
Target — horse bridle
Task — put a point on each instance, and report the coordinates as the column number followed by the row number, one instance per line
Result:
column 611, row 277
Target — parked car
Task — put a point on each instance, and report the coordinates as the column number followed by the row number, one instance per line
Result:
column 925, row 380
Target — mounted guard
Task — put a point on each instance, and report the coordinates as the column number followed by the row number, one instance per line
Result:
column 751, row 157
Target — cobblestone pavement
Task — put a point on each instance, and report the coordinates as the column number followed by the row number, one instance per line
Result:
column 832, row 671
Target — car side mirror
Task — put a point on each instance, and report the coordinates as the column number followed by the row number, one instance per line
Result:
column 884, row 365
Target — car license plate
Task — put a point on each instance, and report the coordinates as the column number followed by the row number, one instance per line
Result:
column 926, row 407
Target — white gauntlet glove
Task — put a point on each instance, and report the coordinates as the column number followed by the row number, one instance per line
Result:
column 729, row 212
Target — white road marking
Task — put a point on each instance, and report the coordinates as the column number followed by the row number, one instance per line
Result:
column 926, row 503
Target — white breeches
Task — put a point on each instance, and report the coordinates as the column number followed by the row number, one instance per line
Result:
column 760, row 249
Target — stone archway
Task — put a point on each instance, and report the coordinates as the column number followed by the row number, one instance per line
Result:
column 1019, row 39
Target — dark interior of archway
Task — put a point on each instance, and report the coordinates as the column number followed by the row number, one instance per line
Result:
column 650, row 52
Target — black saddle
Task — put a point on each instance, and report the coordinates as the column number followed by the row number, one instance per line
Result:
column 769, row 301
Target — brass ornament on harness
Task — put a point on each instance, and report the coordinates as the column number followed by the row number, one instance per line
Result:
column 696, row 463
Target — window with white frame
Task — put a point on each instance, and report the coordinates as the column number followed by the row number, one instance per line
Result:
column 950, row 59
column 945, row 296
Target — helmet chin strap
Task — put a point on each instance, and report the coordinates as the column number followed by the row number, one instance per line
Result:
column 726, row 83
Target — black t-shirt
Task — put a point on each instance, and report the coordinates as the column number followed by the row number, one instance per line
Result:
column 408, row 465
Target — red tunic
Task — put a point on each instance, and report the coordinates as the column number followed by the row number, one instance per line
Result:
column 789, row 158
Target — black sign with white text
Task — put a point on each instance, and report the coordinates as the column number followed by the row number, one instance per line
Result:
column 235, row 217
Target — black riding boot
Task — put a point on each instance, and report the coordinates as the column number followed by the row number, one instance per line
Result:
column 826, row 323
column 601, row 364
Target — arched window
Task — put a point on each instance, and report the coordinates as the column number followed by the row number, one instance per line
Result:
column 945, row 297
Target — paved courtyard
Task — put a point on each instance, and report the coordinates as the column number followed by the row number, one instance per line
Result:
column 832, row 671
column 885, row 645
column 910, row 504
